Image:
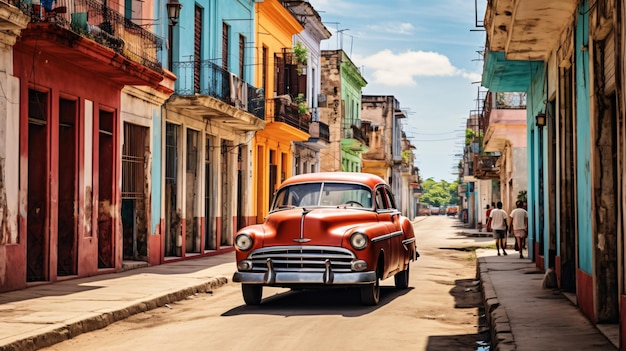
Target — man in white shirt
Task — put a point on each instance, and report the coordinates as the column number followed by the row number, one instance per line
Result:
column 519, row 226
column 499, row 225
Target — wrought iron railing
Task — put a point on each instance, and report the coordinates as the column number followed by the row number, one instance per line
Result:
column 94, row 20
column 319, row 130
column 283, row 110
column 209, row 79
column 485, row 166
column 353, row 129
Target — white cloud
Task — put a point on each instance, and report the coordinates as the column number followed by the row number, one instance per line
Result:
column 393, row 28
column 392, row 69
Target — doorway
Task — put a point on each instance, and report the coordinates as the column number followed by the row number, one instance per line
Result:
column 173, row 231
column 37, row 241
column 192, row 183
column 106, row 152
column 134, row 210
column 68, row 182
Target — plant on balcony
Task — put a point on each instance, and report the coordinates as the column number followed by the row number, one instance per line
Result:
column 300, row 55
column 300, row 52
column 303, row 108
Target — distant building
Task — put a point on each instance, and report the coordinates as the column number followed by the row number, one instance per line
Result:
column 342, row 85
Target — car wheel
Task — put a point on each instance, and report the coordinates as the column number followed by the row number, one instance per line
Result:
column 252, row 294
column 401, row 279
column 370, row 294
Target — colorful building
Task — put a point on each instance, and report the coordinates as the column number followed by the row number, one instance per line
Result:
column 307, row 45
column 342, row 85
column 14, row 17
column 381, row 118
column 280, row 75
column 575, row 138
column 207, row 151
column 73, row 61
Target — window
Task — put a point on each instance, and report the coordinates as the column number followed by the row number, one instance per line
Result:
column 225, row 36
column 242, row 55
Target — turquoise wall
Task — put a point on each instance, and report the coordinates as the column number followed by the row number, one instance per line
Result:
column 583, row 142
column 537, row 175
column 157, row 177
column 238, row 14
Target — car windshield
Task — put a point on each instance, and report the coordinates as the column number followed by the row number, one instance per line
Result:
column 323, row 195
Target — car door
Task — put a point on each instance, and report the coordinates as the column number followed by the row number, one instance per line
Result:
column 388, row 214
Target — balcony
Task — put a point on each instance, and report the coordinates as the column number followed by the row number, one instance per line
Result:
column 282, row 110
column 206, row 90
column 527, row 30
column 320, row 132
column 95, row 38
column 354, row 137
column 520, row 37
column 486, row 167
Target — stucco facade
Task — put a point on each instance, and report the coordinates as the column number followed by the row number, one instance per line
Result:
column 273, row 148
column 575, row 140
column 70, row 184
column 206, row 172
column 342, row 85
column 14, row 20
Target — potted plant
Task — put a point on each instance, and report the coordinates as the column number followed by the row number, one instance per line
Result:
column 300, row 56
column 300, row 100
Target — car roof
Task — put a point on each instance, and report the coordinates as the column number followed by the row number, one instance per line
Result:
column 368, row 179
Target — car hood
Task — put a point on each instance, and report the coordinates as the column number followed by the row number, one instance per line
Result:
column 321, row 226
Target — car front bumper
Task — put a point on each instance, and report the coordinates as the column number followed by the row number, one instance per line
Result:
column 304, row 278
column 326, row 277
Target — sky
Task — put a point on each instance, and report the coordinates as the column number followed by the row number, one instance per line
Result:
column 426, row 53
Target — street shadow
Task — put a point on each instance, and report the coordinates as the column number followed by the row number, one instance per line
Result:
column 345, row 302
column 459, row 342
column 467, row 294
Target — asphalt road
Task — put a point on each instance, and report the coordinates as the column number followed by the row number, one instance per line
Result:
column 439, row 312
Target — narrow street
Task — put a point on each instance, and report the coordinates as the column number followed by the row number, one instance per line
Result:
column 439, row 312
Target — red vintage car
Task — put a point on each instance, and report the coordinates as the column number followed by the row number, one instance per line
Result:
column 325, row 230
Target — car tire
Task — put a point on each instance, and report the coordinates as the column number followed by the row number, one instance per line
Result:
column 252, row 294
column 401, row 279
column 370, row 293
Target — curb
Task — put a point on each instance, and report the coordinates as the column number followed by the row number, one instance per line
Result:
column 101, row 321
column 501, row 337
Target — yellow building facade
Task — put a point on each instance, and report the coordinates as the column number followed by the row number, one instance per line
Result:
column 273, row 147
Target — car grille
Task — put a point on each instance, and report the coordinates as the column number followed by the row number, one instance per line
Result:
column 302, row 258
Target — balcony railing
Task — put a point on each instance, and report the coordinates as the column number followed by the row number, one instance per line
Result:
column 319, row 130
column 486, row 167
column 287, row 112
column 92, row 19
column 352, row 129
column 209, row 79
column 510, row 100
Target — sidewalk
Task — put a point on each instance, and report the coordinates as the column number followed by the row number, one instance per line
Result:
column 524, row 316
column 521, row 314
column 44, row 315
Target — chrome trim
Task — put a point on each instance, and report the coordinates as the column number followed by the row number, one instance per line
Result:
column 328, row 273
column 408, row 241
column 306, row 278
column 386, row 236
column 270, row 275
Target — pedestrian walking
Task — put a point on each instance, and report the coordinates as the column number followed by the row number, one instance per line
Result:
column 519, row 226
column 499, row 223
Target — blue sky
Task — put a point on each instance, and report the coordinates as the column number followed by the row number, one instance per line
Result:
column 424, row 53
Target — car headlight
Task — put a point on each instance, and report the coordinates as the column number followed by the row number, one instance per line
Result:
column 359, row 240
column 243, row 241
